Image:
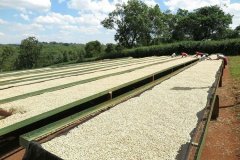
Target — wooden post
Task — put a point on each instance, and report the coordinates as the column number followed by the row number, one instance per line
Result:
column 220, row 82
column 110, row 95
column 215, row 111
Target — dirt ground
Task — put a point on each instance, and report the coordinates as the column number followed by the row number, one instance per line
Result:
column 223, row 137
column 18, row 156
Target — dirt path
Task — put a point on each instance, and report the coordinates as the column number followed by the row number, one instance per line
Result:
column 223, row 138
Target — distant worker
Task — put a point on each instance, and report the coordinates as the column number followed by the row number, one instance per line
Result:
column 205, row 56
column 173, row 55
column 184, row 54
column 199, row 54
column 224, row 58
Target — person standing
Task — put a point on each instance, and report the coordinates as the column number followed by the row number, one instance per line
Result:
column 198, row 54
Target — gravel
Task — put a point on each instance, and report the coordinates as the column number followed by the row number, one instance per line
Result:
column 35, row 105
column 19, row 90
column 152, row 126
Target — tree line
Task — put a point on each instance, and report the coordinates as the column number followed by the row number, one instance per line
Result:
column 34, row 54
column 137, row 24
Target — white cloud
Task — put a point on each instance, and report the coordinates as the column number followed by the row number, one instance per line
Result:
column 226, row 5
column 234, row 9
column 68, row 33
column 61, row 1
column 69, row 27
column 2, row 21
column 91, row 5
column 24, row 16
column 25, row 35
column 24, row 5
column 2, row 34
column 104, row 6
column 92, row 12
column 60, row 19
column 191, row 5
column 150, row 2
column 26, row 28
column 54, row 18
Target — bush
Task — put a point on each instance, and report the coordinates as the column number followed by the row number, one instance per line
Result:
column 227, row 47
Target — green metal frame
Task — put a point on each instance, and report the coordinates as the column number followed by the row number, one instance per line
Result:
column 63, row 123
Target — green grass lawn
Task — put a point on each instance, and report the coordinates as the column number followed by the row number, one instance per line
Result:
column 234, row 64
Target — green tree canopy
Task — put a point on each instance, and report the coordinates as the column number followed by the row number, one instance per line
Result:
column 133, row 23
column 136, row 24
column 180, row 30
column 110, row 48
column 7, row 54
column 209, row 23
column 93, row 48
column 29, row 52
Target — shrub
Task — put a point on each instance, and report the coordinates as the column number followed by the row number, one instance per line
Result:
column 227, row 47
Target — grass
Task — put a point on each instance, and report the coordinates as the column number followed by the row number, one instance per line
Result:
column 234, row 64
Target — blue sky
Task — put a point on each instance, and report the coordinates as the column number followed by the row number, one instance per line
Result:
column 78, row 21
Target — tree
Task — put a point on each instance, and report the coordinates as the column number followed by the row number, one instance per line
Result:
column 209, row 23
column 29, row 52
column 110, row 48
column 160, row 25
column 131, row 23
column 237, row 28
column 93, row 49
column 6, row 58
column 237, row 31
column 181, row 27
column 65, row 56
column 81, row 54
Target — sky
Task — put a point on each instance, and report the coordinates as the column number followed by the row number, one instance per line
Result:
column 78, row 21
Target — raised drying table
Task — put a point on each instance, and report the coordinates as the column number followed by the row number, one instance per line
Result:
column 174, row 88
